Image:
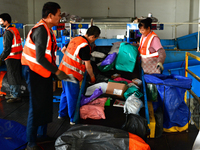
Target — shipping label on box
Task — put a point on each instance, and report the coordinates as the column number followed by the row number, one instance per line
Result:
column 117, row 92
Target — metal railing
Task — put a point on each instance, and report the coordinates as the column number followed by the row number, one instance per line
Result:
column 194, row 115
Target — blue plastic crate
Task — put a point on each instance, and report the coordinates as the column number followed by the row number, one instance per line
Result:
column 56, row 99
column 168, row 43
column 59, row 56
column 65, row 39
column 1, row 45
column 107, row 42
column 188, row 41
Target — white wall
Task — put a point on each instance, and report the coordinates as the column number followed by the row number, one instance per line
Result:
column 194, row 15
column 17, row 9
column 167, row 11
column 91, row 8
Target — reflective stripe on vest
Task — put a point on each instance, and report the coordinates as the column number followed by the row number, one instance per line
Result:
column 149, row 55
column 29, row 45
column 15, row 41
column 72, row 67
column 16, row 48
column 71, row 62
column 74, row 57
column 30, row 58
column 79, row 47
column 147, row 51
column 15, row 53
column 16, row 45
column 29, row 52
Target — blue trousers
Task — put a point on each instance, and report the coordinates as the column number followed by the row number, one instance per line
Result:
column 32, row 132
column 69, row 99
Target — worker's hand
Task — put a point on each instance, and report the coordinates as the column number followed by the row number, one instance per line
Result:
column 160, row 66
column 61, row 75
column 93, row 79
column 63, row 49
column 55, row 78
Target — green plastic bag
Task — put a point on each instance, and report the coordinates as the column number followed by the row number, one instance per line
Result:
column 126, row 58
column 152, row 92
column 107, row 67
column 132, row 90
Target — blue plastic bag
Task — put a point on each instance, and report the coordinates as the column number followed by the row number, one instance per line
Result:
column 96, row 93
column 109, row 59
column 171, row 90
column 12, row 135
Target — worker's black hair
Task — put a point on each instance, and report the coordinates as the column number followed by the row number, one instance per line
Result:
column 6, row 17
column 145, row 23
column 93, row 30
column 50, row 7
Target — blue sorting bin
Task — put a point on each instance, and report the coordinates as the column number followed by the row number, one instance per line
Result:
column 171, row 89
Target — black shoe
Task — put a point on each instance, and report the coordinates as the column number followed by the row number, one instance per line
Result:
column 46, row 139
column 33, row 148
column 14, row 100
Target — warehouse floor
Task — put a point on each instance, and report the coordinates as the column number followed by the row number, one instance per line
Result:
column 168, row 141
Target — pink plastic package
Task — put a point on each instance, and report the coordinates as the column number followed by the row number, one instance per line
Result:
column 94, row 109
column 122, row 79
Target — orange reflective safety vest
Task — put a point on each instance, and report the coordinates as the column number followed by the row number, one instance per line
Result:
column 144, row 48
column 29, row 52
column 16, row 48
column 71, row 62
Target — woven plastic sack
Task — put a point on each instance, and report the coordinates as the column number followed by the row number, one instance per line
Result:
column 171, row 89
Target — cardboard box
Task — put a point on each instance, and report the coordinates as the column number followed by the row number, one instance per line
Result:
column 116, row 89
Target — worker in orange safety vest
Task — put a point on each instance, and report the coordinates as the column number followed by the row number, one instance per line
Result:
column 12, row 56
column 39, row 58
column 76, row 61
column 151, row 51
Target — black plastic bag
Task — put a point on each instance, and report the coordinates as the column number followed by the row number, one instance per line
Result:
column 92, row 137
column 137, row 125
column 159, row 122
column 152, row 92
